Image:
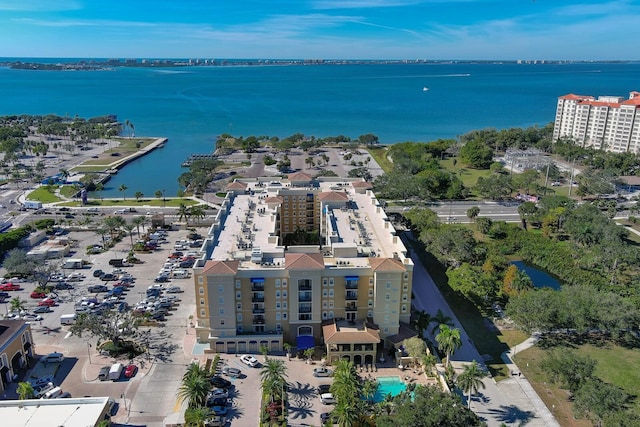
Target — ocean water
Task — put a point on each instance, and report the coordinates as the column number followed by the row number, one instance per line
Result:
column 190, row 106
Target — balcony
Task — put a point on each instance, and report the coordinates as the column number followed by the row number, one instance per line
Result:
column 304, row 309
column 257, row 298
column 257, row 310
column 304, row 286
column 351, row 284
column 351, row 307
column 302, row 298
column 258, row 320
column 304, row 316
column 351, row 296
column 257, row 287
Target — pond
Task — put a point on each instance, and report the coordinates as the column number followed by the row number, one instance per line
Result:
column 540, row 279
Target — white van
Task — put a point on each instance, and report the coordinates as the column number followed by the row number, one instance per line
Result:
column 115, row 371
column 53, row 393
column 68, row 319
column 180, row 274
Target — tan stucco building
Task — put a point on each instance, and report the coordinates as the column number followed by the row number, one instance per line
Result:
column 16, row 349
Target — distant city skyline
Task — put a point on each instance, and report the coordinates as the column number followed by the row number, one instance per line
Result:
column 322, row 29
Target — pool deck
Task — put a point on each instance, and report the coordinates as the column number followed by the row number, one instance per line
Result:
column 406, row 375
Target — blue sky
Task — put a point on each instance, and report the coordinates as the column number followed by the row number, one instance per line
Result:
column 321, row 29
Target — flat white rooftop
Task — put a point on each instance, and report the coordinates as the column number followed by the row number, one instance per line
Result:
column 73, row 412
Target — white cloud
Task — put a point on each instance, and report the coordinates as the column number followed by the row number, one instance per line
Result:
column 39, row 5
column 84, row 23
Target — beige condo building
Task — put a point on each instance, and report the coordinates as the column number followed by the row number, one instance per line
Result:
column 610, row 123
column 304, row 262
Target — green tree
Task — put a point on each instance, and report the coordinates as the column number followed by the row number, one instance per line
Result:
column 598, row 400
column 139, row 195
column 25, row 391
column 194, row 386
column 273, row 376
column 428, row 362
column 483, row 224
column 16, row 262
column 122, row 189
column 449, row 341
column 568, row 368
column 421, row 321
column 197, row 416
column 473, row 212
column 416, row 348
column 158, row 194
column 129, row 227
column 17, row 304
column 470, row 380
column 526, row 211
column 440, row 319
column 476, row 154
column 183, row 212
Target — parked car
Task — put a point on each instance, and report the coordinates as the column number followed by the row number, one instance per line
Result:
column 249, row 360
column 218, row 393
column 324, row 388
column 322, row 372
column 4, row 294
column 104, row 373
column 47, row 302
column 219, row 410
column 97, row 288
column 231, row 372
column 31, row 317
column 9, row 287
column 216, row 401
column 220, row 382
column 327, row 399
column 130, row 371
column 38, row 295
column 42, row 309
column 98, row 273
column 108, row 276
column 161, row 278
column 62, row 286
column 173, row 290
column 53, row 358
column 327, row 417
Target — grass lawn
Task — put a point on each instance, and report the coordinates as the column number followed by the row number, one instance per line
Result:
column 616, row 365
column 42, row 194
column 380, row 156
column 126, row 147
column 468, row 176
column 68, row 191
column 85, row 169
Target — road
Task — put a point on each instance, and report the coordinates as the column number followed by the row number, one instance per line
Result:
column 456, row 211
column 497, row 403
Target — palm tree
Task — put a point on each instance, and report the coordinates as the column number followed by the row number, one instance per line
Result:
column 428, row 362
column 369, row 389
column 25, row 390
column 183, row 212
column 441, row 319
column 197, row 417
column 102, row 232
column 346, row 386
column 129, row 227
column 158, row 194
column 346, row 414
column 273, row 376
column 64, row 174
column 473, row 213
column 122, row 189
column 470, row 380
column 138, row 221
column 139, row 195
column 195, row 386
column 448, row 341
column 18, row 305
column 421, row 322
column 198, row 212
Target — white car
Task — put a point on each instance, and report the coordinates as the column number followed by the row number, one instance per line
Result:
column 249, row 360
column 120, row 211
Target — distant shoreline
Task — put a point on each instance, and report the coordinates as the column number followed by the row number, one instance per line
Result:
column 70, row 64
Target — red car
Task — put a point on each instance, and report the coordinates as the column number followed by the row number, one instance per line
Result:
column 47, row 303
column 35, row 294
column 130, row 371
column 9, row 287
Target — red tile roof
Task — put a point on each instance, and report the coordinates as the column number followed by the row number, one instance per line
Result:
column 576, row 97
column 228, row 268
column 236, row 185
column 333, row 196
column 274, row 199
column 304, row 261
column 332, row 334
column 386, row 264
column 299, row 176
column 362, row 184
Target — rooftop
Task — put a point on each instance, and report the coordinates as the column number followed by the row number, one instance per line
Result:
column 73, row 412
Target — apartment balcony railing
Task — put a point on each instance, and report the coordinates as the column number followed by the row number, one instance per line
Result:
column 257, row 287
column 257, row 298
column 351, row 296
column 257, row 310
column 304, row 298
column 351, row 307
column 258, row 320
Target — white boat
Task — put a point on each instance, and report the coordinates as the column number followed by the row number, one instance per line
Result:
column 424, row 89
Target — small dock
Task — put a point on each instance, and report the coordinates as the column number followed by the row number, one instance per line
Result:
column 193, row 157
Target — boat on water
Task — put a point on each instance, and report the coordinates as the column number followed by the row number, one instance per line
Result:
column 424, row 89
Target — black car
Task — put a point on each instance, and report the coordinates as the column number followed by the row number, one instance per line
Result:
column 187, row 264
column 4, row 294
column 62, row 286
column 324, row 388
column 97, row 288
column 217, row 401
column 220, row 382
column 326, row 416
column 98, row 273
column 161, row 279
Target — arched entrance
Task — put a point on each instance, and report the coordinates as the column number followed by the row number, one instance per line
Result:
column 357, row 360
column 368, row 359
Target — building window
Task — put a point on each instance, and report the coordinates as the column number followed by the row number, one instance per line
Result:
column 331, row 303
column 404, row 297
column 405, row 286
column 324, row 293
column 278, row 315
column 221, row 311
column 387, row 296
column 404, row 308
column 222, row 321
column 324, row 314
column 201, row 290
column 370, row 313
column 200, row 280
column 239, row 306
column 370, row 303
column 284, row 283
column 277, row 294
column 370, row 281
column 284, row 316
column 239, row 317
column 239, row 328
column 201, row 301
column 277, row 305
column 238, row 295
column 386, row 318
column 220, row 289
column 331, row 281
column 388, row 285
column 238, row 284
column 331, row 315
column 406, row 276
column 203, row 312
column 284, row 294
column 325, row 282
column 221, row 300
column 277, row 283
column 324, row 304
column 330, row 293
column 284, row 305
column 370, row 292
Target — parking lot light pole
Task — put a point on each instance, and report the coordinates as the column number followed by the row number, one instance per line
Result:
column 89, row 352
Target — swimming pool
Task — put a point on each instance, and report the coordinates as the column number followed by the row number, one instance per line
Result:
column 389, row 385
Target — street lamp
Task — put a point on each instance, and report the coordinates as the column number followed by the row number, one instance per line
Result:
column 89, row 352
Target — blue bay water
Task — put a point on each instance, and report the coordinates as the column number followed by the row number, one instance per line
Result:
column 190, row 106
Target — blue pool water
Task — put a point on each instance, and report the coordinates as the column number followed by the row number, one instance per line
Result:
column 389, row 385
